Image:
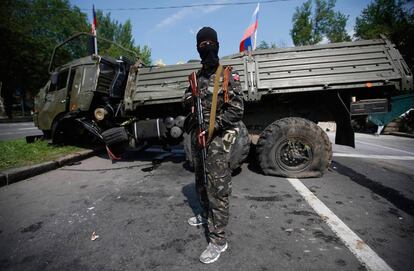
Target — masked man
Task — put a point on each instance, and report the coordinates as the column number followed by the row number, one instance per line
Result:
column 214, row 197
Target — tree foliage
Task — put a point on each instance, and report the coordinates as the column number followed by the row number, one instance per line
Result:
column 302, row 25
column 30, row 29
column 391, row 18
column 310, row 25
column 264, row 45
column 121, row 34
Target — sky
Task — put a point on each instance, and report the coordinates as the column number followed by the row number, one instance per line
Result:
column 170, row 33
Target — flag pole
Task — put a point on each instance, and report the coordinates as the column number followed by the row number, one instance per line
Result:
column 94, row 31
column 95, row 42
column 255, row 32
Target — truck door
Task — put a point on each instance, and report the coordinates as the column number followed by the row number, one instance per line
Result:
column 56, row 99
column 76, row 87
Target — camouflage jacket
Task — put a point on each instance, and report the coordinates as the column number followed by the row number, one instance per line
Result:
column 227, row 114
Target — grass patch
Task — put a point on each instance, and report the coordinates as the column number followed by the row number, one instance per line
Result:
column 17, row 153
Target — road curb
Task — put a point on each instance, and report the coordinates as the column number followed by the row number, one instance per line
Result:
column 18, row 174
column 16, row 120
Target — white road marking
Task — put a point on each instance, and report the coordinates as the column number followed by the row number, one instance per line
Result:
column 356, row 245
column 388, row 148
column 373, row 156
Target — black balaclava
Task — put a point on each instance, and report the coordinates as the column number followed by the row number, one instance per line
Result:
column 208, row 53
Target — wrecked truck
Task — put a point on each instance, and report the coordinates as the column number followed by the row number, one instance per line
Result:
column 286, row 92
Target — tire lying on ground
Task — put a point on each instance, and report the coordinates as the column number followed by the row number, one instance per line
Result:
column 294, row 147
column 238, row 152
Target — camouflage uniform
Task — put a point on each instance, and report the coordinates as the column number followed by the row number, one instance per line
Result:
column 214, row 198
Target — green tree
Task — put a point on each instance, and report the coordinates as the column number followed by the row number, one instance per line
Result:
column 32, row 29
column 391, row 18
column 121, row 34
column 302, row 30
column 336, row 28
column 310, row 27
column 264, row 45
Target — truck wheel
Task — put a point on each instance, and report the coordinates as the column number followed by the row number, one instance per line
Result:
column 66, row 131
column 238, row 153
column 116, row 138
column 46, row 134
column 294, row 147
column 59, row 132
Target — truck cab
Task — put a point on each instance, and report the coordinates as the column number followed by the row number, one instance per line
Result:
column 69, row 89
column 77, row 88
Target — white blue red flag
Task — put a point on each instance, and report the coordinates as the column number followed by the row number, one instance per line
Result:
column 248, row 41
column 94, row 22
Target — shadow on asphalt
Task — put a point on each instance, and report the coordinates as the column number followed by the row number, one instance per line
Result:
column 189, row 192
column 392, row 195
column 157, row 156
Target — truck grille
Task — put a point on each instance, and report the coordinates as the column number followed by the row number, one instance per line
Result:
column 106, row 76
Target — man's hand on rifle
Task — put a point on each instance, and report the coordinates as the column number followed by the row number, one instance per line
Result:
column 188, row 102
column 201, row 137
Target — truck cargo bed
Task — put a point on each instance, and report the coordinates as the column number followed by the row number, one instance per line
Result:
column 347, row 65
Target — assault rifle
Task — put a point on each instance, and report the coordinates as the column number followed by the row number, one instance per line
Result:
column 201, row 131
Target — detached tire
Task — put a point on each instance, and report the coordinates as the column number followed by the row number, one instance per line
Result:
column 294, row 147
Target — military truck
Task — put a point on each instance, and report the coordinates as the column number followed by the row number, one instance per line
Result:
column 286, row 92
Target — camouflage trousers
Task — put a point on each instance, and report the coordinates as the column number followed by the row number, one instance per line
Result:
column 214, row 197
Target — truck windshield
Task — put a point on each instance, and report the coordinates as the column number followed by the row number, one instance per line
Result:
column 82, row 44
column 70, row 50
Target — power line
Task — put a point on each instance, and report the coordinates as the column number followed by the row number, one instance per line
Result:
column 196, row 5
column 170, row 7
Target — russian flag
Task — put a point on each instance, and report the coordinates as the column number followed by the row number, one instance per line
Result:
column 94, row 21
column 249, row 38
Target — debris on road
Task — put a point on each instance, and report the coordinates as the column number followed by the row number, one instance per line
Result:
column 94, row 236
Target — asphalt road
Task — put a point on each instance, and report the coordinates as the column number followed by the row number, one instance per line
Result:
column 359, row 215
column 18, row 130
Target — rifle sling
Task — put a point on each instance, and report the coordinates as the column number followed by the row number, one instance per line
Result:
column 214, row 102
